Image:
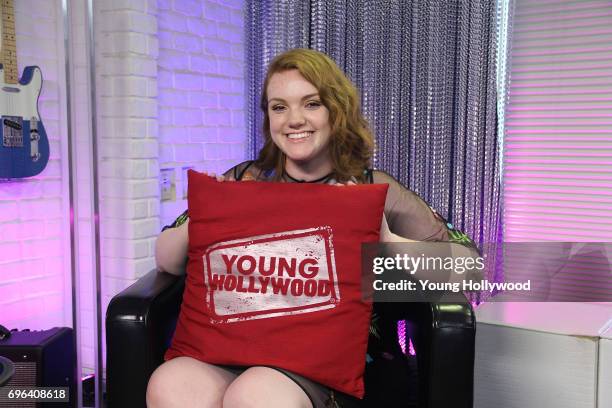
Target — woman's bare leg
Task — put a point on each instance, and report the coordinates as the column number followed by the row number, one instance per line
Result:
column 266, row 388
column 186, row 382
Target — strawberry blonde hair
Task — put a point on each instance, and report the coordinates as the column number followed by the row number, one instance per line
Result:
column 351, row 142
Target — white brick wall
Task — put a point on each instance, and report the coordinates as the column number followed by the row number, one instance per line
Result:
column 127, row 51
column 201, row 89
column 170, row 94
column 34, row 242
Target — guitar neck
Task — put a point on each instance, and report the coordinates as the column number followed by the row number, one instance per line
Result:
column 9, row 46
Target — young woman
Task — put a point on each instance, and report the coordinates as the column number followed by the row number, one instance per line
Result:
column 314, row 133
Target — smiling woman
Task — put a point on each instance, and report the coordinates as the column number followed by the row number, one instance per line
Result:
column 306, row 92
column 314, row 132
column 299, row 125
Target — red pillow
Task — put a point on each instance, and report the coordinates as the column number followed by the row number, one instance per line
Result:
column 273, row 277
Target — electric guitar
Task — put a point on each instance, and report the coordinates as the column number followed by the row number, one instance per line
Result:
column 24, row 147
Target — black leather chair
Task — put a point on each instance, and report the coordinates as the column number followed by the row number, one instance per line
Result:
column 140, row 322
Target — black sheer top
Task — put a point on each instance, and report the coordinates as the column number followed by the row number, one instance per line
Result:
column 408, row 215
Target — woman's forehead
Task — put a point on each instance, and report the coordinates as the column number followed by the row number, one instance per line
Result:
column 288, row 85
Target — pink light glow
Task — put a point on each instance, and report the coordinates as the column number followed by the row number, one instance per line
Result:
column 557, row 144
column 567, row 183
column 573, row 176
column 560, row 18
column 561, row 75
column 31, row 254
column 558, row 115
column 556, row 7
column 565, row 27
column 411, row 350
column 557, row 161
column 563, row 51
column 536, row 132
column 564, row 91
column 402, row 336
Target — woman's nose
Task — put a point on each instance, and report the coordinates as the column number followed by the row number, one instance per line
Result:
column 296, row 120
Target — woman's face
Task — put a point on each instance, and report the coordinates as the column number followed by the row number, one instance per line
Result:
column 299, row 122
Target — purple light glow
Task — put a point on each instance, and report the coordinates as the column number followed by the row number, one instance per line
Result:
column 32, row 280
column 577, row 13
column 402, row 337
column 539, row 53
column 411, row 350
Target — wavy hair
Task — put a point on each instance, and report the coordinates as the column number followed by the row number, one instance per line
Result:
column 351, row 143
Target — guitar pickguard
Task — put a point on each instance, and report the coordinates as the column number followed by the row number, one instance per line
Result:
column 12, row 131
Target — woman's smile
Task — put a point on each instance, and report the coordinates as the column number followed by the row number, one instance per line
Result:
column 299, row 137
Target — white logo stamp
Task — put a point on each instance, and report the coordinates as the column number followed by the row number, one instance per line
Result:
column 271, row 275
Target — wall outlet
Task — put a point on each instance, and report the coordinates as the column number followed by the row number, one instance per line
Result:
column 167, row 184
column 184, row 180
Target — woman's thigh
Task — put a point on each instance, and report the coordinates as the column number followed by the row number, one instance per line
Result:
column 265, row 387
column 186, row 382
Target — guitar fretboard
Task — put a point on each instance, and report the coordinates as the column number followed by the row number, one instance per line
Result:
column 9, row 46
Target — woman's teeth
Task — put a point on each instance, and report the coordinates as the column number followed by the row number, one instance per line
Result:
column 299, row 135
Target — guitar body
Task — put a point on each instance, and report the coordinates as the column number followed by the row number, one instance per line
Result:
column 24, row 147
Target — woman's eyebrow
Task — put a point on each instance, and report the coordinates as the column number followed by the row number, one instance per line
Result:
column 312, row 95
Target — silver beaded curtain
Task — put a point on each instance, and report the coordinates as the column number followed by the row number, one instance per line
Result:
column 426, row 73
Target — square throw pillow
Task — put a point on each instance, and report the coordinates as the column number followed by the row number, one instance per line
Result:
column 274, row 279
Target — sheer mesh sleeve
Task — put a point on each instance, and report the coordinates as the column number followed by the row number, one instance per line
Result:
column 246, row 171
column 180, row 220
column 411, row 217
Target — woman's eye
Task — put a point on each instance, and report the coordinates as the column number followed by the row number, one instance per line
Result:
column 277, row 108
column 313, row 104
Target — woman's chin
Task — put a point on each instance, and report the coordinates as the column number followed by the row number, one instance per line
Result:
column 298, row 157
column 304, row 157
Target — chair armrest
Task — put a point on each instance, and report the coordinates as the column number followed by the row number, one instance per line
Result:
column 444, row 340
column 443, row 335
column 140, row 322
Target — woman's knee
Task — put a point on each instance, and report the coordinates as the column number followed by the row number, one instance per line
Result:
column 159, row 389
column 260, row 387
column 186, row 382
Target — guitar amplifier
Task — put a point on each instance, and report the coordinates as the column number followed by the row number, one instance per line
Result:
column 42, row 359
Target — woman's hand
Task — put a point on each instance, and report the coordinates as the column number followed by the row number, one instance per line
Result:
column 349, row 183
column 219, row 178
